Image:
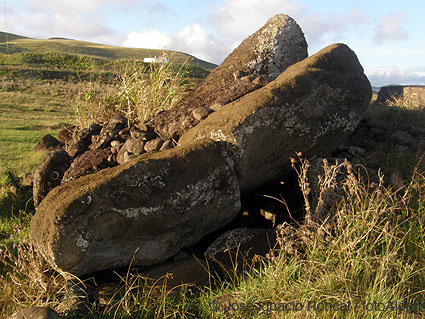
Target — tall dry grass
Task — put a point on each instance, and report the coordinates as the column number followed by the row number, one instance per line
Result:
column 138, row 93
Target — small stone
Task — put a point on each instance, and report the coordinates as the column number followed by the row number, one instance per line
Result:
column 83, row 135
column 47, row 142
column 88, row 163
column 95, row 128
column 418, row 131
column 134, row 146
column 381, row 124
column 153, row 145
column 375, row 131
column 182, row 255
column 77, row 148
column 167, row 145
column 189, row 271
column 123, row 157
column 100, row 142
column 115, row 143
column 201, row 113
column 403, row 137
column 260, row 80
column 65, row 134
column 142, row 127
column 216, row 106
column 355, row 150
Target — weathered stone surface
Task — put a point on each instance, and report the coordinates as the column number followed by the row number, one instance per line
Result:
column 133, row 146
column 149, row 208
column 76, row 148
column 35, row 313
column 381, row 124
column 88, row 163
column 259, row 59
column 100, row 141
column 310, row 108
column 235, row 249
column 65, row 134
column 49, row 174
column 47, row 142
column 409, row 95
column 190, row 271
column 154, row 145
column 201, row 113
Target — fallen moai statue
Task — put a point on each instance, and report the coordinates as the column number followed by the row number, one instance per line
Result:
column 158, row 203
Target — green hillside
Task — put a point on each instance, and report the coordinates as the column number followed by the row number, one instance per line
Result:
column 19, row 44
column 10, row 37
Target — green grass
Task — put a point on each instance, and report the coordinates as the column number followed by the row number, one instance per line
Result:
column 27, row 113
column 19, row 45
column 371, row 248
column 10, row 37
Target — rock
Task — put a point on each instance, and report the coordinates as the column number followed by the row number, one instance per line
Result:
column 216, row 106
column 375, row 131
column 77, row 148
column 154, row 145
column 265, row 54
column 380, row 124
column 149, row 208
column 47, row 142
column 65, row 134
column 235, row 249
column 355, row 150
column 310, row 108
column 201, row 113
column 410, row 96
column 131, row 147
column 114, row 126
column 49, row 174
column 190, row 271
column 35, row 313
column 418, row 131
column 88, row 163
column 404, row 138
column 100, row 141
column 83, row 136
column 167, row 145
column 123, row 156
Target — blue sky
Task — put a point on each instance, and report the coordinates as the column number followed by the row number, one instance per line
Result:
column 387, row 36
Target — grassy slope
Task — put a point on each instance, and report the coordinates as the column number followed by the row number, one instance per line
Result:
column 94, row 49
column 10, row 37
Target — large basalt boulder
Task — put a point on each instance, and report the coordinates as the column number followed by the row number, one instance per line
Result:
column 150, row 208
column 260, row 58
column 310, row 108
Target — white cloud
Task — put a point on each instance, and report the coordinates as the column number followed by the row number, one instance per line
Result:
column 150, row 39
column 66, row 6
column 391, row 28
column 237, row 19
column 191, row 39
column 322, row 29
column 394, row 75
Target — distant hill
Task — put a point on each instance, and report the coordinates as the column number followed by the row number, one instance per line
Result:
column 19, row 44
column 10, row 37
